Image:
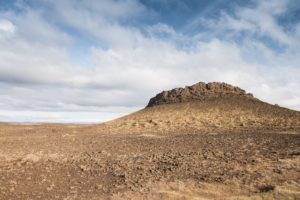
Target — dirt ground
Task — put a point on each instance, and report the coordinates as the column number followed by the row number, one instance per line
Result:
column 91, row 162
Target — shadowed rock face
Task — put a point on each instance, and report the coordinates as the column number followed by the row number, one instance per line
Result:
column 200, row 91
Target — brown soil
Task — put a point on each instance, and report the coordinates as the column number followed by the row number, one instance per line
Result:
column 218, row 148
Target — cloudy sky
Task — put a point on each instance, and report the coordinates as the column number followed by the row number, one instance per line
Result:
column 90, row 61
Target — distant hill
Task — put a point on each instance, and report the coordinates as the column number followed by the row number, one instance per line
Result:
column 207, row 107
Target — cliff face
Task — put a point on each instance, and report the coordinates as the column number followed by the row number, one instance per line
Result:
column 199, row 91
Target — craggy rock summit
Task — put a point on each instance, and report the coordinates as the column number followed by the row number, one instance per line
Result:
column 200, row 91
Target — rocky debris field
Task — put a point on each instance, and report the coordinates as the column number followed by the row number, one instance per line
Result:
column 69, row 162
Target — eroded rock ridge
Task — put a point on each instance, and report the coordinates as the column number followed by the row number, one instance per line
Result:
column 199, row 91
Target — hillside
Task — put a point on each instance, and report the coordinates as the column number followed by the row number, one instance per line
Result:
column 207, row 107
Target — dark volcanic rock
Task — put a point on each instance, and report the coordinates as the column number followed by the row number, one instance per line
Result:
column 199, row 91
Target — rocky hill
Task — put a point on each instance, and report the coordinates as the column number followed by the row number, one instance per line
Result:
column 199, row 91
column 207, row 107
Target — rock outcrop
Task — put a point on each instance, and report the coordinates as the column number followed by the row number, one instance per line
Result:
column 200, row 91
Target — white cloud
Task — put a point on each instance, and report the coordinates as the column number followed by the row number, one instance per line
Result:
column 264, row 17
column 6, row 26
column 101, row 22
column 260, row 20
column 57, row 117
column 37, row 74
column 7, row 29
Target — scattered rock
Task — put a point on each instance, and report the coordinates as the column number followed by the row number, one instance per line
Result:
column 266, row 188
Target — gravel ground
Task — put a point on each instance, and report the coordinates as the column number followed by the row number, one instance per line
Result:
column 88, row 162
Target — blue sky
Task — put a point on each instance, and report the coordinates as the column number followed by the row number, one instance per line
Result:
column 90, row 61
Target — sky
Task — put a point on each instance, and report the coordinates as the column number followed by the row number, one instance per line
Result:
column 75, row 61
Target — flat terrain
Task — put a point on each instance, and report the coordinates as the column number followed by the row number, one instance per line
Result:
column 89, row 162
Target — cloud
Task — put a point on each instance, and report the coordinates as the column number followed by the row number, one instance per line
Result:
column 260, row 20
column 106, row 23
column 7, row 29
column 130, row 61
column 6, row 26
column 264, row 17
